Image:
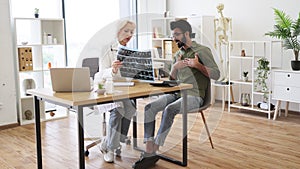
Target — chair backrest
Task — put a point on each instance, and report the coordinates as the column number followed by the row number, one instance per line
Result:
column 207, row 99
column 93, row 64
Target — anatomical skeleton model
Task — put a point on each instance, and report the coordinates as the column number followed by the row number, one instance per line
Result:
column 223, row 32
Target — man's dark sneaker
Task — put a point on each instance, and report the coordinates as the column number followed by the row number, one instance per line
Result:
column 146, row 160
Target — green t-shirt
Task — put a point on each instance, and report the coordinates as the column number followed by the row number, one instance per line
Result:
column 194, row 76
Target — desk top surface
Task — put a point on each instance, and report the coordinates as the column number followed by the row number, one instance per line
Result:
column 140, row 89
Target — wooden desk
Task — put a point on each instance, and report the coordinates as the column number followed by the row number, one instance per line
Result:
column 78, row 100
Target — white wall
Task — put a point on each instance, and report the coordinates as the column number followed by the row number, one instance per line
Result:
column 250, row 18
column 8, row 105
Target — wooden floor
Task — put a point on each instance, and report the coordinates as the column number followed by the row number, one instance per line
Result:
column 242, row 139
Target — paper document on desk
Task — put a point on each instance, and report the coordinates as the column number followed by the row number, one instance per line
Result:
column 120, row 84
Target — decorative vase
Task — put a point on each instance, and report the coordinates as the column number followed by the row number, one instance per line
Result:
column 295, row 65
column 28, row 84
column 28, row 115
column 245, row 99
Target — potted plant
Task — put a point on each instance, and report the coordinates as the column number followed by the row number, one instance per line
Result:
column 245, row 76
column 262, row 74
column 287, row 30
column 36, row 12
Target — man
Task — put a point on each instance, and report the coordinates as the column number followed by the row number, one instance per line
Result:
column 193, row 64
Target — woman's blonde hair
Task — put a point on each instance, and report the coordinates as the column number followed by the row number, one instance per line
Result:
column 122, row 24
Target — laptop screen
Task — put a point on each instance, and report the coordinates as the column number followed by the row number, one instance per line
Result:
column 136, row 64
column 70, row 79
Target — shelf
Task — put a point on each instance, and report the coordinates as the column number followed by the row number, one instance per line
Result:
column 31, row 71
column 249, row 82
column 24, row 121
column 160, row 39
column 26, row 97
column 238, row 64
column 260, row 92
column 248, row 41
column 250, row 107
column 163, row 60
column 33, row 59
column 41, row 19
column 38, row 45
column 241, row 57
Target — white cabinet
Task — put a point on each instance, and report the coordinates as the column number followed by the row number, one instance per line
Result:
column 40, row 44
column 254, row 51
column 286, row 87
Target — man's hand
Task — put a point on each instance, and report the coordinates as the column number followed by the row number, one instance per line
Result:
column 180, row 63
column 193, row 62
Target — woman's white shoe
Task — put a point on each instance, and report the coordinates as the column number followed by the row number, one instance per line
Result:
column 108, row 155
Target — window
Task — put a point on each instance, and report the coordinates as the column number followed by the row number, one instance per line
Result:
column 83, row 19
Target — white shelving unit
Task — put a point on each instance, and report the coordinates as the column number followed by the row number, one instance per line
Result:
column 36, row 52
column 238, row 64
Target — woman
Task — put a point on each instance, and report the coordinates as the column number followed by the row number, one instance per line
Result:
column 121, row 112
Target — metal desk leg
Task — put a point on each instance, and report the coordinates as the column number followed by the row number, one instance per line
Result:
column 134, row 133
column 79, row 111
column 184, row 127
column 134, row 127
column 38, row 132
column 184, row 135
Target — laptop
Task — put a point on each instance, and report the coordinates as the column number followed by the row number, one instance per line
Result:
column 70, row 79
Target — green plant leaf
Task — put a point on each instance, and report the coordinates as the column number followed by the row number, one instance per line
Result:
column 287, row 30
column 296, row 26
column 282, row 19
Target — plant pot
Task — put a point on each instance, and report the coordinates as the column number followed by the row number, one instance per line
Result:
column 245, row 79
column 36, row 15
column 295, row 64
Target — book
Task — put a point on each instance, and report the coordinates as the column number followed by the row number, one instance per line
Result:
column 168, row 49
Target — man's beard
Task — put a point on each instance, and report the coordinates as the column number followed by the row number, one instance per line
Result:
column 181, row 43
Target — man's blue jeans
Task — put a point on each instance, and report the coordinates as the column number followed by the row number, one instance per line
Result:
column 171, row 105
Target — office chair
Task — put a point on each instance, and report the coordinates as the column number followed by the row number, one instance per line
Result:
column 206, row 104
column 93, row 64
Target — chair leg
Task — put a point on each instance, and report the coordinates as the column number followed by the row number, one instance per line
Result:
column 99, row 140
column 206, row 127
